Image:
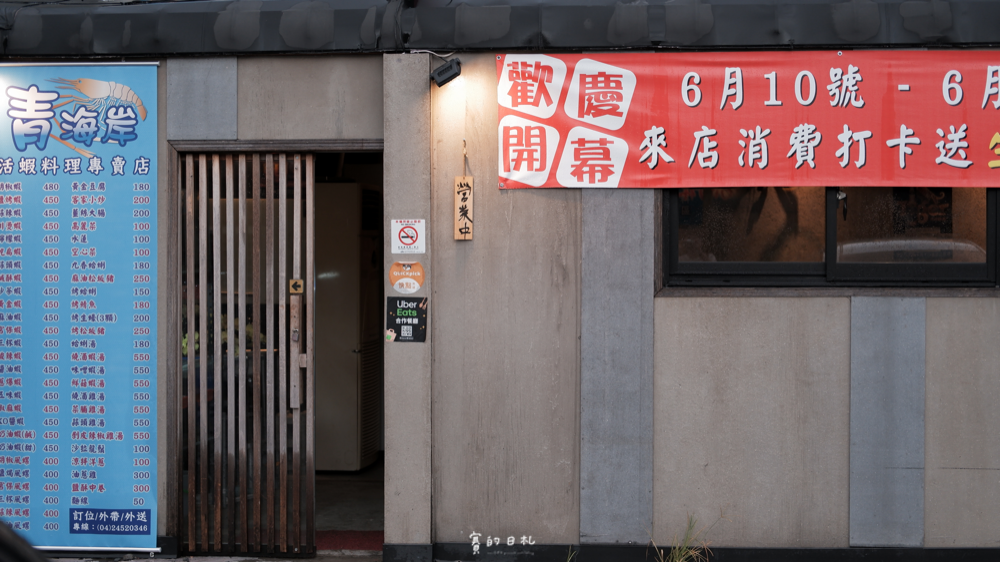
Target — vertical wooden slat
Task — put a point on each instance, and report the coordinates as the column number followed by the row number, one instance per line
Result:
column 174, row 450
column 217, row 440
column 269, row 529
column 282, row 356
column 191, row 391
column 296, row 537
column 233, row 348
column 242, row 533
column 203, row 355
column 310, row 475
column 297, row 218
column 269, row 320
column 257, row 464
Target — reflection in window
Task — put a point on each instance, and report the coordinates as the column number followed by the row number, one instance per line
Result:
column 751, row 224
column 912, row 225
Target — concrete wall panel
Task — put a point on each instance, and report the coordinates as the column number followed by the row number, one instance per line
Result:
column 311, row 98
column 505, row 319
column 887, row 421
column 963, row 453
column 200, row 98
column 616, row 366
column 751, row 419
column 407, row 365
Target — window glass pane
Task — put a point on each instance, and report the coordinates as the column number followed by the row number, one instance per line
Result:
column 751, row 224
column 912, row 225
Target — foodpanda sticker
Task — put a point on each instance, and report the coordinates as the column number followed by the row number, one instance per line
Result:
column 406, row 277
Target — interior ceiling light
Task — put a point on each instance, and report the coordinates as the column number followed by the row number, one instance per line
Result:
column 447, row 72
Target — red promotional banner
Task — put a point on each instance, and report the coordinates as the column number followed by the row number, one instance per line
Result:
column 840, row 118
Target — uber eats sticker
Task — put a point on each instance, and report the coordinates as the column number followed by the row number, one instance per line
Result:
column 406, row 319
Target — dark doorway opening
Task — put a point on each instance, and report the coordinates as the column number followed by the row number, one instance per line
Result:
column 349, row 296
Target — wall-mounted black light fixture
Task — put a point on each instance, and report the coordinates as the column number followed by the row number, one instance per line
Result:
column 447, row 72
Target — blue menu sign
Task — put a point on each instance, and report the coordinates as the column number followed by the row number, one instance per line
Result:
column 78, row 305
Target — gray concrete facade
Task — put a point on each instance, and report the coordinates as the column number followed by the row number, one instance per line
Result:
column 616, row 366
column 751, row 420
column 407, row 387
column 275, row 98
column 293, row 98
column 506, row 328
column 201, row 95
column 887, row 421
column 962, row 491
column 557, row 397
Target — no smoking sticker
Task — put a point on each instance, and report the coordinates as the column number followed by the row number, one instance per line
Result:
column 408, row 236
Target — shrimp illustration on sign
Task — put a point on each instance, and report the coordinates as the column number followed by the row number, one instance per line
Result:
column 99, row 104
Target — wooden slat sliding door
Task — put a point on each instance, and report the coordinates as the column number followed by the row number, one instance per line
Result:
column 246, row 392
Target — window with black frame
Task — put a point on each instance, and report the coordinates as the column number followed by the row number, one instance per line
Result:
column 815, row 236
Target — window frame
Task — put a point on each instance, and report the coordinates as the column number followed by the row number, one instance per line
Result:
column 828, row 273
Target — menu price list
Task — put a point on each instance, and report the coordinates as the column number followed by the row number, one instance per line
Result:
column 77, row 353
